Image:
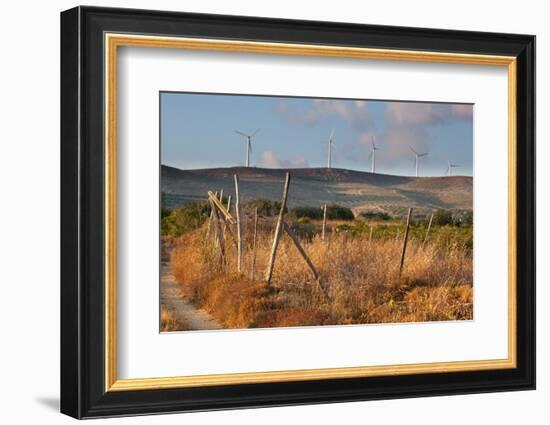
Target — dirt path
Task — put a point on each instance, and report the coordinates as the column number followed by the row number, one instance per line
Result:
column 172, row 297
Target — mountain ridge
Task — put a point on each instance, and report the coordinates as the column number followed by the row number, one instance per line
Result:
column 358, row 190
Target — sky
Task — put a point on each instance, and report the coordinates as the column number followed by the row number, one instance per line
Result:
column 198, row 131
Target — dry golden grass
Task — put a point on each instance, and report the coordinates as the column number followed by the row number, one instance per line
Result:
column 168, row 320
column 360, row 279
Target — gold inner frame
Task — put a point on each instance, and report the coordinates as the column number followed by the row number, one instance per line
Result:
column 113, row 41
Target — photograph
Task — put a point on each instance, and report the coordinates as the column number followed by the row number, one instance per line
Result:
column 289, row 210
column 297, row 211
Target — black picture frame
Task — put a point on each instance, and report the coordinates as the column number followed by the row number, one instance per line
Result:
column 82, row 212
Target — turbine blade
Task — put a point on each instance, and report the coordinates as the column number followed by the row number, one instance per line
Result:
column 331, row 135
column 415, row 152
column 256, row 132
column 241, row 133
column 249, row 145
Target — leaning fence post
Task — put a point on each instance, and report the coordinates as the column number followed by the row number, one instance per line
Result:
column 405, row 241
column 228, row 203
column 219, row 236
column 324, row 221
column 428, row 230
column 277, row 235
column 254, row 244
column 301, row 250
column 210, row 221
column 224, row 222
column 238, row 215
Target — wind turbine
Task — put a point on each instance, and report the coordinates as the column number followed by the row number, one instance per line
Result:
column 417, row 157
column 248, row 138
column 329, row 163
column 450, row 167
column 372, row 157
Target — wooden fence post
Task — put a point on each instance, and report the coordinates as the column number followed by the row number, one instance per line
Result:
column 324, row 221
column 238, row 215
column 253, row 265
column 370, row 233
column 219, row 236
column 229, row 204
column 405, row 241
column 225, row 222
column 277, row 235
column 296, row 241
column 428, row 230
column 220, row 207
column 210, row 221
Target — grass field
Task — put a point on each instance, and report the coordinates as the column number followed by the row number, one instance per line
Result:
column 169, row 321
column 359, row 269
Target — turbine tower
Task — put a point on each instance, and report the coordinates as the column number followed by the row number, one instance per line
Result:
column 248, row 138
column 417, row 157
column 329, row 161
column 450, row 167
column 372, row 157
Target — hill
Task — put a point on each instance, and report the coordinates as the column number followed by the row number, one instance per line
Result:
column 315, row 186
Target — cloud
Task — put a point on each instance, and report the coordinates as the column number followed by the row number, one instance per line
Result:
column 410, row 113
column 465, row 112
column 393, row 143
column 269, row 160
column 356, row 113
column 406, row 125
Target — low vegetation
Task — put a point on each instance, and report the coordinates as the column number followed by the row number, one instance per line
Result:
column 358, row 263
column 168, row 320
column 178, row 221
column 376, row 215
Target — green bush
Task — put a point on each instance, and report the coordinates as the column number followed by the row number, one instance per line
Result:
column 455, row 218
column 266, row 207
column 376, row 215
column 443, row 218
column 469, row 218
column 304, row 231
column 312, row 213
column 336, row 212
column 181, row 220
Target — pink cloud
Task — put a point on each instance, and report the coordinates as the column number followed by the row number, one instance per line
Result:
column 269, row 160
column 410, row 113
column 355, row 112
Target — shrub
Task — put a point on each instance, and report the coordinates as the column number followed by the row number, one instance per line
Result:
column 304, row 229
column 443, row 218
column 312, row 213
column 469, row 218
column 456, row 218
column 376, row 215
column 181, row 220
column 336, row 212
column 266, row 207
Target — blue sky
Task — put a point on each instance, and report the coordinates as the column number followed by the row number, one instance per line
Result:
column 197, row 131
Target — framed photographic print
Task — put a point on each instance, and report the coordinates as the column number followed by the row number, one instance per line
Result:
column 261, row 212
